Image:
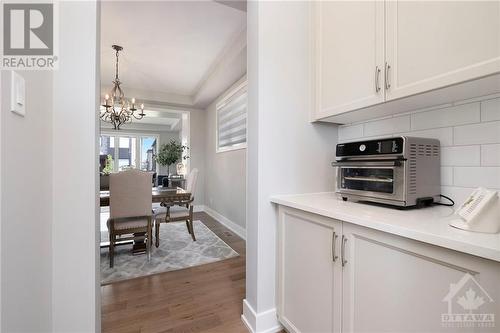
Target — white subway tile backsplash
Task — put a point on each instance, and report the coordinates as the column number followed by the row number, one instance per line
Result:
column 457, row 115
column 490, row 110
column 457, row 194
column 490, row 155
column 477, row 133
column 446, row 176
column 350, row 132
column 444, row 135
column 469, row 133
column 461, row 156
column 477, row 176
column 387, row 126
column 477, row 99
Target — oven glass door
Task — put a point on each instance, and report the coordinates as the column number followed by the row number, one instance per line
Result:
column 378, row 180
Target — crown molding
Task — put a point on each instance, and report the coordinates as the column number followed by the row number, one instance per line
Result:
column 232, row 50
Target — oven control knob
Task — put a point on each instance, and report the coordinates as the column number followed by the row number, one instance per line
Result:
column 362, row 148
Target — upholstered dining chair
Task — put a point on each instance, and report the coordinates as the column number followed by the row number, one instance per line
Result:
column 178, row 210
column 130, row 199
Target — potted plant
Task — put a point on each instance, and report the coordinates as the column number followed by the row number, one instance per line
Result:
column 109, row 167
column 170, row 153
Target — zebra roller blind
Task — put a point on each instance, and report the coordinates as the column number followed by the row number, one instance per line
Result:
column 232, row 121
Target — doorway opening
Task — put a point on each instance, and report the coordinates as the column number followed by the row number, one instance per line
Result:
column 182, row 72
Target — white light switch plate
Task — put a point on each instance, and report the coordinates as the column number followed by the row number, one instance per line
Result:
column 17, row 94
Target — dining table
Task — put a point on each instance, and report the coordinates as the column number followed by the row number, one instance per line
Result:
column 162, row 195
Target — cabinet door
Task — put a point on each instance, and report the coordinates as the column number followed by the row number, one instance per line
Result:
column 433, row 44
column 349, row 55
column 393, row 284
column 309, row 286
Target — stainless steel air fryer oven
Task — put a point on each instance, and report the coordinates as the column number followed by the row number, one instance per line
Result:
column 400, row 171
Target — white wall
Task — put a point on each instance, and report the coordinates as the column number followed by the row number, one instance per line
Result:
column 26, row 228
column 469, row 132
column 286, row 153
column 197, row 140
column 75, row 294
column 225, row 182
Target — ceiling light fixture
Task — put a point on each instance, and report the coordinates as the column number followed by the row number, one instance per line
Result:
column 117, row 109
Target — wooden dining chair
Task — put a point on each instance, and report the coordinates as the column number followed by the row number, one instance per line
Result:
column 130, row 213
column 177, row 210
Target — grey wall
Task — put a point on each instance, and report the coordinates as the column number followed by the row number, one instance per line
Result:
column 225, row 184
column 197, row 151
column 26, row 201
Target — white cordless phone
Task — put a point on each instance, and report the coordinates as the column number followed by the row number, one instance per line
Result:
column 480, row 212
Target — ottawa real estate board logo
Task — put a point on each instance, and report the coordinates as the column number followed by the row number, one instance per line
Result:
column 29, row 30
column 469, row 305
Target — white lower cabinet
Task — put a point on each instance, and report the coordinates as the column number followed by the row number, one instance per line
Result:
column 309, row 279
column 387, row 283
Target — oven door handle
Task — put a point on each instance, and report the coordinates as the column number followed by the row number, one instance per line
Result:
column 360, row 164
column 370, row 179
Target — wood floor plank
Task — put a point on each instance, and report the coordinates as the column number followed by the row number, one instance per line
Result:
column 201, row 299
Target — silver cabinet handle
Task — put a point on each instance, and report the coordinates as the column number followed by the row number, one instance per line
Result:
column 342, row 250
column 377, row 79
column 387, row 83
column 334, row 252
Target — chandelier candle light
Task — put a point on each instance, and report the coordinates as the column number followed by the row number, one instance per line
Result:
column 117, row 109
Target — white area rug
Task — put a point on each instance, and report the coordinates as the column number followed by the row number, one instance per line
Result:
column 177, row 251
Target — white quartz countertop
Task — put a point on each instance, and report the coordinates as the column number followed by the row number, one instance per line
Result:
column 429, row 225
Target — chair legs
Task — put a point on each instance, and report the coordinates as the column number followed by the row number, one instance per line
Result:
column 149, row 239
column 157, row 233
column 191, row 229
column 111, row 249
column 189, row 226
column 191, row 222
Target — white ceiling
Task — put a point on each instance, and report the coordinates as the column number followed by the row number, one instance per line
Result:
column 177, row 52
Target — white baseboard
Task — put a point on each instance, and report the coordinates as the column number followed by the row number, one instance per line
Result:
column 263, row 322
column 198, row 208
column 226, row 222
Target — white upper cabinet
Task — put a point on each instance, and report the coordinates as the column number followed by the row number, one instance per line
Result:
column 371, row 54
column 433, row 44
column 349, row 55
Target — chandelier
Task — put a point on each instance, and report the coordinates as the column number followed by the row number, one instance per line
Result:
column 117, row 109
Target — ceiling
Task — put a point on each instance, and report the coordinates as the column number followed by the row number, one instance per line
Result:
column 183, row 53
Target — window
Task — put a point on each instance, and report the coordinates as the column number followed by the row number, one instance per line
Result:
column 128, row 151
column 148, row 149
column 232, row 120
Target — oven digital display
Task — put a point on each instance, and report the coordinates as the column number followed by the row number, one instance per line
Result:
column 373, row 147
column 386, row 147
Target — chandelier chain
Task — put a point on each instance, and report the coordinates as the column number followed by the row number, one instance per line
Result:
column 116, row 66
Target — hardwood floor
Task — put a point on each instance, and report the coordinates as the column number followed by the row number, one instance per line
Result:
column 205, row 298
